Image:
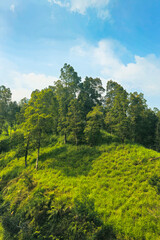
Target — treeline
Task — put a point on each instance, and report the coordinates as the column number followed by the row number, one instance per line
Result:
column 78, row 111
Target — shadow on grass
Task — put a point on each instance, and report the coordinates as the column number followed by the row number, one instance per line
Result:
column 4, row 145
column 72, row 161
column 14, row 173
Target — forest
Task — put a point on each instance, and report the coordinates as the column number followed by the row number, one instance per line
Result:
column 78, row 111
column 79, row 161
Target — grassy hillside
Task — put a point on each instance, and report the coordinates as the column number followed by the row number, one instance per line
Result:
column 110, row 191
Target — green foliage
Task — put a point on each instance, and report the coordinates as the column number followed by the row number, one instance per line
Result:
column 66, row 90
column 75, row 123
column 17, row 142
column 90, row 95
column 5, row 107
column 137, row 116
column 4, row 144
column 93, row 126
column 69, row 78
column 116, row 110
column 38, row 119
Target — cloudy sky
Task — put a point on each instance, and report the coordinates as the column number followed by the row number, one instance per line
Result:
column 110, row 39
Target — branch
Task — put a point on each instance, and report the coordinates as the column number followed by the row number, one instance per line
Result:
column 151, row 159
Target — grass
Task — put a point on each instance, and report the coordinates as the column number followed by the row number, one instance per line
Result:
column 118, row 178
column 1, row 232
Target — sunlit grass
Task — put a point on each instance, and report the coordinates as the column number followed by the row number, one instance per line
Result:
column 116, row 176
column 1, row 232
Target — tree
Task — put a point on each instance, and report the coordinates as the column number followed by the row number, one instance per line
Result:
column 116, row 107
column 5, row 99
column 20, row 114
column 136, row 112
column 66, row 90
column 112, row 90
column 13, row 109
column 75, row 123
column 150, row 123
column 63, row 99
column 69, row 79
column 90, row 94
column 93, row 126
column 38, row 119
column 157, row 130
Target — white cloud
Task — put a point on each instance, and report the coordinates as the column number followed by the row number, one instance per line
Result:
column 81, row 6
column 60, row 3
column 141, row 73
column 12, row 8
column 24, row 84
column 21, row 84
column 20, row 93
column 106, row 56
column 144, row 74
column 32, row 80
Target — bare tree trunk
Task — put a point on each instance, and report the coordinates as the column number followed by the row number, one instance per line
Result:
column 151, row 159
column 76, row 139
column 26, row 152
column 65, row 138
column 38, row 150
column 37, row 158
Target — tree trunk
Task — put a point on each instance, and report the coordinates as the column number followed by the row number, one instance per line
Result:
column 26, row 153
column 151, row 159
column 38, row 150
column 76, row 139
column 65, row 138
column 37, row 158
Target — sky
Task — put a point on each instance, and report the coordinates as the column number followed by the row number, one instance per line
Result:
column 109, row 39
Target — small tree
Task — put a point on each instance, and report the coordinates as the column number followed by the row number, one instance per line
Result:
column 38, row 119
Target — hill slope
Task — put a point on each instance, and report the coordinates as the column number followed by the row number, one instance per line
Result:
column 105, row 192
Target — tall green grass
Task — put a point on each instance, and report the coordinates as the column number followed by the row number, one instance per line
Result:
column 112, row 185
column 1, row 232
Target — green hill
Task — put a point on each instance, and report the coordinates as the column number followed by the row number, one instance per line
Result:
column 110, row 191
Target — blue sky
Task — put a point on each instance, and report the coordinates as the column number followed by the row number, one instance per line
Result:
column 110, row 39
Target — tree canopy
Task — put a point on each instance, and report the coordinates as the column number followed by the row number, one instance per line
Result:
column 78, row 111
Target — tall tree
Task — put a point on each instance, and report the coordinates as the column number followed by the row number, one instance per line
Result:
column 149, row 128
column 136, row 112
column 13, row 110
column 116, row 110
column 157, row 130
column 70, row 79
column 93, row 126
column 112, row 90
column 90, row 94
column 66, row 90
column 75, row 123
